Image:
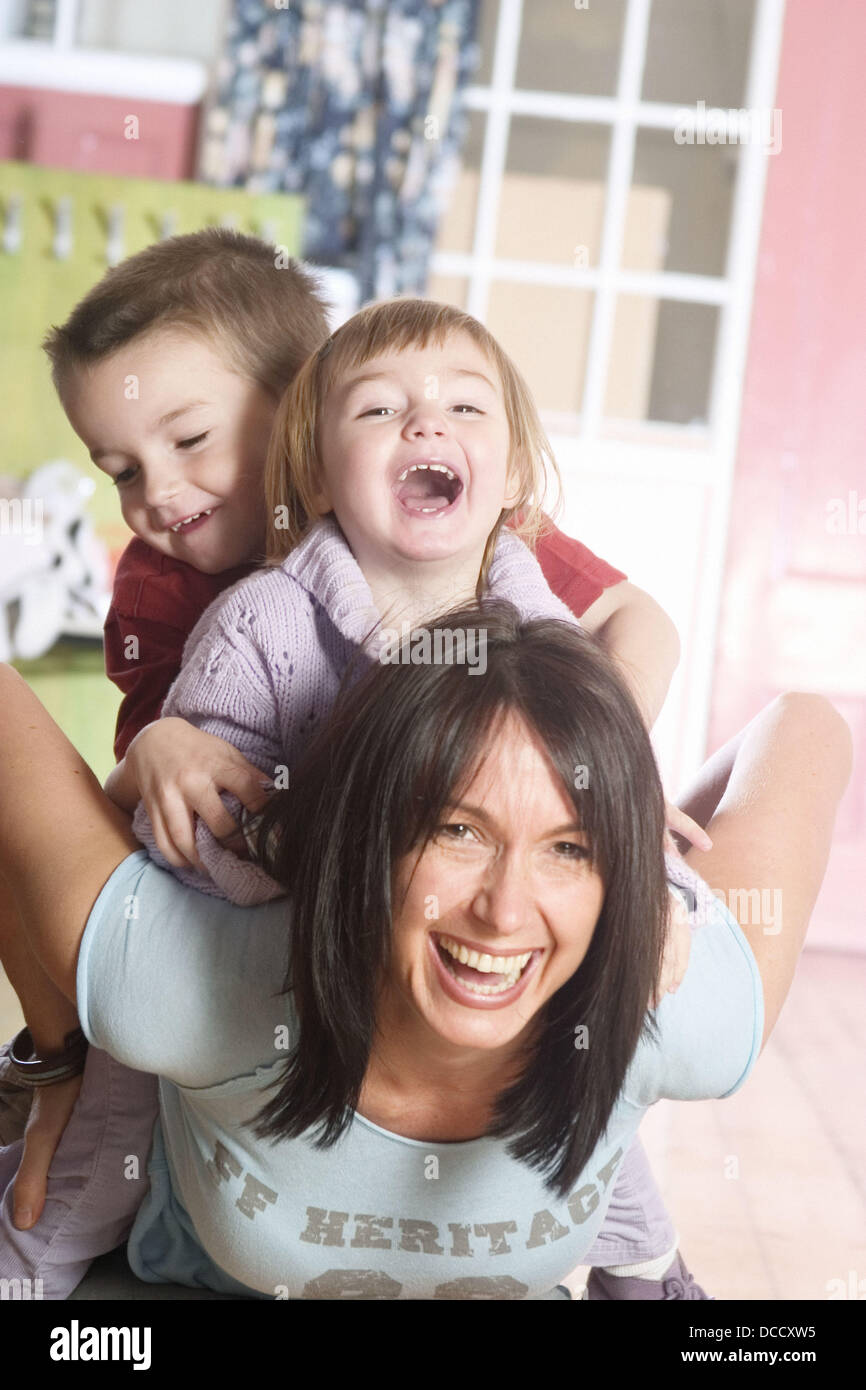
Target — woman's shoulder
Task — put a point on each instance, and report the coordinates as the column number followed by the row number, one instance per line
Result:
column 702, row 1041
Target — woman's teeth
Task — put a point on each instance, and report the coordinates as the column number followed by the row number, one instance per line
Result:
column 187, row 519
column 510, row 968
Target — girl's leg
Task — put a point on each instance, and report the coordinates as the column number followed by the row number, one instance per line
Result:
column 97, row 1181
column 774, row 797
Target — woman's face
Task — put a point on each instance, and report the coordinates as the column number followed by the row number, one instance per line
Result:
column 498, row 910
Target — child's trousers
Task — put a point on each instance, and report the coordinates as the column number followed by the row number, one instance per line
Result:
column 99, row 1177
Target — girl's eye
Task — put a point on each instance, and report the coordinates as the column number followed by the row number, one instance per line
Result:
column 378, row 410
column 464, row 407
column 123, row 477
column 196, row 439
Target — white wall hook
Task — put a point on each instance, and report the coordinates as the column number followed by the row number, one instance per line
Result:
column 12, row 225
column 62, row 245
column 114, row 243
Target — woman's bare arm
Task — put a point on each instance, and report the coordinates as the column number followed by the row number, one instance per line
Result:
column 61, row 837
column 772, row 794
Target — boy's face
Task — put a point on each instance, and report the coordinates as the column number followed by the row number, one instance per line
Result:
column 184, row 439
column 414, row 448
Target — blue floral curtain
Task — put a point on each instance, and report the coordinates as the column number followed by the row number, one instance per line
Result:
column 355, row 105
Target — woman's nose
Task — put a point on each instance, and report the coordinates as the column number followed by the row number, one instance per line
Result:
column 503, row 900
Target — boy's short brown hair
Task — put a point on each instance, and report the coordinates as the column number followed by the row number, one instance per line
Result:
column 292, row 471
column 263, row 316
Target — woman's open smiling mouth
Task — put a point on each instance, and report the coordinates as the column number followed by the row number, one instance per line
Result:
column 481, row 979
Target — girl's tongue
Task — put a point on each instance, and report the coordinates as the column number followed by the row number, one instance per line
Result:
column 427, row 490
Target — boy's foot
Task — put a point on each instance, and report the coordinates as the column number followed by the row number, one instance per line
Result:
column 14, row 1101
column 676, row 1283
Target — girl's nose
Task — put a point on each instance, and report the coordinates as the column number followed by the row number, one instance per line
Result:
column 426, row 422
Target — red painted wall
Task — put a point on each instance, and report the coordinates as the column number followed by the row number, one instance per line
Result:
column 794, row 603
column 69, row 130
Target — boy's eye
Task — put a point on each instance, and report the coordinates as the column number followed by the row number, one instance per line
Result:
column 196, row 439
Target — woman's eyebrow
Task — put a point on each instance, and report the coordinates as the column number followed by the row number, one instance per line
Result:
column 479, row 813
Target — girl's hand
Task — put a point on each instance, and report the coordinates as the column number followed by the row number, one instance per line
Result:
column 678, row 945
column 680, row 824
column 180, row 772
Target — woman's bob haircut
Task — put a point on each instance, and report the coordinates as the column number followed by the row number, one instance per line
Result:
column 293, row 470
column 403, row 743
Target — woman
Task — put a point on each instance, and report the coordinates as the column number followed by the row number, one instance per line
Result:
column 437, row 1102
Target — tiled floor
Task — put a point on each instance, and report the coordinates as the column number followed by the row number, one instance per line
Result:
column 768, row 1188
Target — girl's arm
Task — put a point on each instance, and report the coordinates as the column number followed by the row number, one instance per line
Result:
column 638, row 633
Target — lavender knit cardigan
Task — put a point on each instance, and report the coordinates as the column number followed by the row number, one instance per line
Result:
column 263, row 665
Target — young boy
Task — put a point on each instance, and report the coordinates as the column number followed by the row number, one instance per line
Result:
column 170, row 371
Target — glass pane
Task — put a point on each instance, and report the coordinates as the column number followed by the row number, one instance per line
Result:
column 698, row 52
column 487, row 22
column 545, row 329
column 160, row 26
column 553, row 192
column 457, row 223
column 571, row 48
column 661, row 360
column 680, row 206
column 448, row 289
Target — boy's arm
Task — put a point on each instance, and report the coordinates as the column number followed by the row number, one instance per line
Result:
column 639, row 635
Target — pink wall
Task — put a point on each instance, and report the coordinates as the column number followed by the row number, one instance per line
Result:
column 68, row 130
column 794, row 606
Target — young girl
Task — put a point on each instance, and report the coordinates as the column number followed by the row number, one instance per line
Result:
column 396, row 578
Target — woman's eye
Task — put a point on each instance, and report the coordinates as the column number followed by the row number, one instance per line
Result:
column 196, row 439
column 456, row 831
column 567, row 849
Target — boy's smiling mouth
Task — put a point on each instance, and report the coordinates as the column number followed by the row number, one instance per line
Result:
column 427, row 487
column 187, row 522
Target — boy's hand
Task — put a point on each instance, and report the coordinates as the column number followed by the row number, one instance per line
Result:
column 680, row 824
column 678, row 944
column 50, row 1110
column 180, row 772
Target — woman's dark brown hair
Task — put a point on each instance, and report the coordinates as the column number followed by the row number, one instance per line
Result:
column 403, row 742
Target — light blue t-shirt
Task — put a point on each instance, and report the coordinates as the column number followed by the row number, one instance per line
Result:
column 188, row 987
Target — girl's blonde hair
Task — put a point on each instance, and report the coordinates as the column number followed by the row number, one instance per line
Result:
column 293, row 469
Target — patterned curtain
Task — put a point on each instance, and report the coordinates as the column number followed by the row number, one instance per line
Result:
column 355, row 105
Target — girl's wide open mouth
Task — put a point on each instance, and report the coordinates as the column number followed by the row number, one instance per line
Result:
column 427, row 487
